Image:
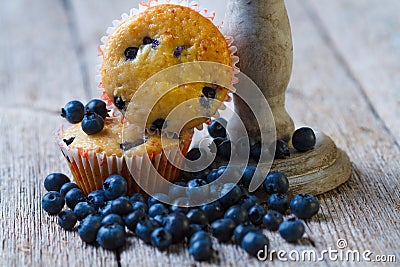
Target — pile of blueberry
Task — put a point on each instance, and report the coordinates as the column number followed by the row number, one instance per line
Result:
column 303, row 140
column 92, row 115
column 107, row 216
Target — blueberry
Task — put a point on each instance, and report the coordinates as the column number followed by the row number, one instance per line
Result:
column 180, row 205
column 200, row 236
column 161, row 238
column 54, row 181
column 158, row 124
column 201, row 251
column 248, row 172
column 160, row 219
column 193, row 154
column 255, row 151
column 154, row 43
column 82, row 210
column 197, row 216
column 97, row 106
column 131, row 53
column 92, row 123
column 217, row 128
column 119, row 103
column 209, row 92
column 66, row 187
column 73, row 197
column 215, row 143
column 157, row 198
column 253, row 242
column 73, row 111
column 147, row 40
column 97, row 198
column 237, row 213
column 276, row 182
column 230, row 194
column 272, row 219
column 241, row 230
column 89, row 227
column 145, row 227
column 304, row 139
column 111, row 236
column 138, row 205
column 115, row 186
column 158, row 209
column 230, row 172
column 212, row 176
column 291, row 230
column 112, row 218
column 121, row 206
column 256, row 214
column 178, row 51
column 189, row 175
column 194, row 228
column 67, row 219
column 105, row 209
column 223, row 229
column 243, row 147
column 249, row 201
column 177, row 191
column 178, row 224
column 137, row 197
column 281, row 149
column 278, row 202
column 213, row 210
column 133, row 218
column 304, row 206
column 226, row 149
column 196, row 190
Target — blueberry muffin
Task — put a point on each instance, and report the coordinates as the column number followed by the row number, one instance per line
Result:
column 92, row 158
column 156, row 39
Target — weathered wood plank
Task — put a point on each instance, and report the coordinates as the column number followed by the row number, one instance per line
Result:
column 365, row 211
column 28, row 236
column 323, row 111
column 332, row 102
column 39, row 66
column 365, row 34
column 39, row 72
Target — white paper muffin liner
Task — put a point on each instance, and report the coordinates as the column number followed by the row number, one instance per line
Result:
column 211, row 15
column 91, row 169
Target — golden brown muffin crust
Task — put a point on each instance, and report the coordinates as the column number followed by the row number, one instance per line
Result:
column 171, row 26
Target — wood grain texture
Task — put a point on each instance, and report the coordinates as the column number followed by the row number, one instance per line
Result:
column 323, row 93
column 365, row 36
column 38, row 67
column 28, row 236
column 39, row 73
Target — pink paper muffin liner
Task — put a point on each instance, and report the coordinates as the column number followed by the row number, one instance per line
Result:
column 91, row 169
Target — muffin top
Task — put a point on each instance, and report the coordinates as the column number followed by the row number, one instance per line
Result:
column 110, row 140
column 156, row 39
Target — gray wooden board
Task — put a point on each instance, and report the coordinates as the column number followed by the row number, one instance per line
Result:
column 41, row 69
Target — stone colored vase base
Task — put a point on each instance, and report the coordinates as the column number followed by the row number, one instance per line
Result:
column 317, row 171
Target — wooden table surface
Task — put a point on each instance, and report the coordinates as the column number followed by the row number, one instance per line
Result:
column 346, row 82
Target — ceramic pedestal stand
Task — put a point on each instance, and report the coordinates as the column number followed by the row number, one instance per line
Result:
column 261, row 31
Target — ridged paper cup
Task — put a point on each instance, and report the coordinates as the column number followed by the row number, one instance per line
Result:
column 90, row 169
